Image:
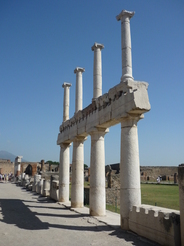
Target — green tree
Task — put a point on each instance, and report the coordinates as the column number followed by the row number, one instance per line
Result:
column 52, row 162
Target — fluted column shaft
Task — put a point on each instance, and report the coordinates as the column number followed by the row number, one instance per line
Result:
column 130, row 192
column 97, row 70
column 64, row 168
column 125, row 16
column 66, row 101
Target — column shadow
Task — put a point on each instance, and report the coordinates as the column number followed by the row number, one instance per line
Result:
column 15, row 212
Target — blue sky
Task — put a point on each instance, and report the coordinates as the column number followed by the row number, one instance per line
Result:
column 41, row 44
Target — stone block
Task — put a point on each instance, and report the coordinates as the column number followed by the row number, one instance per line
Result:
column 157, row 224
column 54, row 191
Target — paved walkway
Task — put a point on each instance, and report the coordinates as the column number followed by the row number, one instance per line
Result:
column 29, row 219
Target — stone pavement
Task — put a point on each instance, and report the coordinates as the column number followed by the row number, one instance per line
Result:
column 29, row 219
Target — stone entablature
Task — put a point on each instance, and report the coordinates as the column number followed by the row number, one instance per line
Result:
column 122, row 101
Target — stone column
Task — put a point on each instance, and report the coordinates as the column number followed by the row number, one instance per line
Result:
column 64, row 168
column 97, row 70
column 77, row 189
column 18, row 169
column 17, row 166
column 125, row 16
column 78, row 92
column 97, row 173
column 181, row 200
column 66, row 87
column 130, row 192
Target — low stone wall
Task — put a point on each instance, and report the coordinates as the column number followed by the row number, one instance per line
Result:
column 157, row 224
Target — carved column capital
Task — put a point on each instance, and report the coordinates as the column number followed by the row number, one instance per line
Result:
column 79, row 69
column 97, row 46
column 131, row 121
column 66, row 84
column 124, row 14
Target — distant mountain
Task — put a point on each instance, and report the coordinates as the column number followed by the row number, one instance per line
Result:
column 9, row 156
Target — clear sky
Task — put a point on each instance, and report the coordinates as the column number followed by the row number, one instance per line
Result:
column 42, row 42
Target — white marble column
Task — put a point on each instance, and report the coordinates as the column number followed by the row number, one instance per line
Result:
column 77, row 189
column 130, row 192
column 66, row 100
column 97, row 173
column 79, row 89
column 97, row 70
column 64, row 171
column 125, row 16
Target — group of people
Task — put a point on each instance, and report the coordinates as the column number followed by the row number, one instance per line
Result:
column 5, row 177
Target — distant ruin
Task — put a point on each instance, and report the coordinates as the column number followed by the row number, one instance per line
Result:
column 6, row 166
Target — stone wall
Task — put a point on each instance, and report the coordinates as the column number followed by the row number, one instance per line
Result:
column 147, row 173
column 34, row 166
column 6, row 166
column 157, row 224
column 150, row 173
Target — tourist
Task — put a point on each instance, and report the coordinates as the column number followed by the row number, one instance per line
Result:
column 158, row 180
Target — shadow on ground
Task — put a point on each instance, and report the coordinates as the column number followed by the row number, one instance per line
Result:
column 16, row 212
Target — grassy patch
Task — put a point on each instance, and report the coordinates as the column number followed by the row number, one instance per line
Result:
column 113, row 208
column 86, row 184
column 166, row 196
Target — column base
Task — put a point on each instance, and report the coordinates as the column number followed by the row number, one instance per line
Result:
column 76, row 205
column 124, row 223
column 125, row 77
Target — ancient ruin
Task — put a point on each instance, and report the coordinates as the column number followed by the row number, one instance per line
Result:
column 125, row 103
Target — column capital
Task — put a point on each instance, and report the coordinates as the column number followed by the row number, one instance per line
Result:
column 66, row 84
column 125, row 13
column 97, row 46
column 79, row 69
column 80, row 138
column 131, row 121
column 65, row 145
column 99, row 130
